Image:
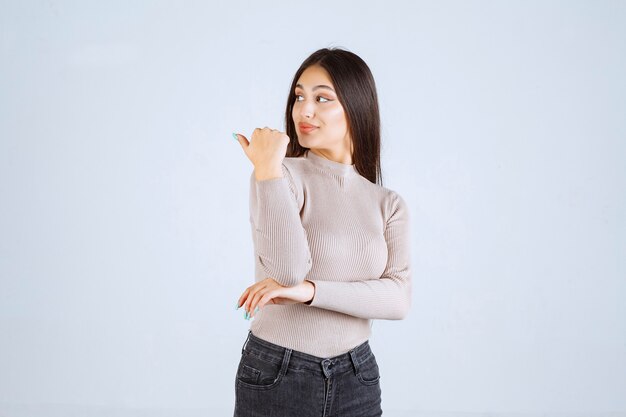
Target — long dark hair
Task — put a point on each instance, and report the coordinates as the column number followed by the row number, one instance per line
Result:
column 356, row 91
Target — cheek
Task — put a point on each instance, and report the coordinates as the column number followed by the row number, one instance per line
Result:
column 335, row 117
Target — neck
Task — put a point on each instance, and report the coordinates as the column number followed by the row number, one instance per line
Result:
column 328, row 165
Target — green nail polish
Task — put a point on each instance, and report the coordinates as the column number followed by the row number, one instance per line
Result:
column 235, row 136
column 237, row 306
column 256, row 310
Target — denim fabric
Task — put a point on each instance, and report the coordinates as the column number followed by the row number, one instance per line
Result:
column 276, row 381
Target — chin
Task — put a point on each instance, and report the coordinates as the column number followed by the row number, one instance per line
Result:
column 307, row 142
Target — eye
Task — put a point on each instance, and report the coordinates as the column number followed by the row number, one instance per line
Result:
column 323, row 98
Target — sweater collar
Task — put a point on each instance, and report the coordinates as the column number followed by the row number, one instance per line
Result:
column 334, row 167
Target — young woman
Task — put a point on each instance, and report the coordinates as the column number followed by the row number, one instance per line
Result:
column 331, row 249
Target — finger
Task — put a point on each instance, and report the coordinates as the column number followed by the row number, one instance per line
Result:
column 268, row 298
column 243, row 141
column 254, row 299
column 242, row 298
column 259, row 300
column 260, row 287
column 252, row 291
column 246, row 302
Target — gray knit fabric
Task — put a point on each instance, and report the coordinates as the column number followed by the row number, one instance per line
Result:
column 324, row 222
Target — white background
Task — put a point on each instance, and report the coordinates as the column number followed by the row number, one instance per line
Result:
column 124, row 232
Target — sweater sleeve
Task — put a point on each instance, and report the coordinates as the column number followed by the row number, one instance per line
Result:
column 387, row 297
column 280, row 241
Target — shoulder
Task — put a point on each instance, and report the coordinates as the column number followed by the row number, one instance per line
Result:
column 394, row 204
column 391, row 202
column 294, row 165
column 293, row 170
column 386, row 195
column 291, row 176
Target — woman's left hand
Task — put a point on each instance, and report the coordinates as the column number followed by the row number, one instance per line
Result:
column 269, row 291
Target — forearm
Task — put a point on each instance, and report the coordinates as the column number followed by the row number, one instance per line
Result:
column 280, row 241
column 385, row 297
column 382, row 298
column 262, row 174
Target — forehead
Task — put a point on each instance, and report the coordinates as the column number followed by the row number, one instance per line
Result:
column 314, row 75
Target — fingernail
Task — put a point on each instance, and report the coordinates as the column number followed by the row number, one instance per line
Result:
column 237, row 306
column 256, row 309
column 245, row 315
column 236, row 137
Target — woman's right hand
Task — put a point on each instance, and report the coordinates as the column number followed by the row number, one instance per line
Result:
column 266, row 151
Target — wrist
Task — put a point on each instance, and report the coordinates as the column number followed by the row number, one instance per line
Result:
column 268, row 173
column 311, row 284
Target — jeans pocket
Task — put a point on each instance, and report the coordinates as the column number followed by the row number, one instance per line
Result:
column 256, row 373
column 369, row 374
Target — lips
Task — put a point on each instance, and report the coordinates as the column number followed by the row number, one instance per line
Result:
column 306, row 127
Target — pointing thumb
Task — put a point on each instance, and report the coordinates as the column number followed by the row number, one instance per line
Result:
column 241, row 139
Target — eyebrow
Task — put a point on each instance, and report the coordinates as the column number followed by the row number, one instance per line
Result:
column 316, row 87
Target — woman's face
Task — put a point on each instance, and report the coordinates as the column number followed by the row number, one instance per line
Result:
column 317, row 104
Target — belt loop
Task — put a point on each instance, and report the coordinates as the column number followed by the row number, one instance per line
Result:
column 246, row 342
column 285, row 364
column 354, row 361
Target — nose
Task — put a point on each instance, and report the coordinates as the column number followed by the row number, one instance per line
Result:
column 306, row 109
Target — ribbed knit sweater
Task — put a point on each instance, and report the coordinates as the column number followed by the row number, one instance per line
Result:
column 324, row 222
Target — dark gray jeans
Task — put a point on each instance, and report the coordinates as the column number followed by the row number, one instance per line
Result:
column 276, row 381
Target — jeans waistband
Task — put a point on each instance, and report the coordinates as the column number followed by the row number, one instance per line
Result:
column 299, row 360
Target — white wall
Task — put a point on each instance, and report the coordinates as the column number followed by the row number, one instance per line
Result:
column 124, row 234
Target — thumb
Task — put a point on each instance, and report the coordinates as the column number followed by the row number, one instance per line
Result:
column 241, row 139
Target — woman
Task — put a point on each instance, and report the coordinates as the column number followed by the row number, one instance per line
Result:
column 331, row 249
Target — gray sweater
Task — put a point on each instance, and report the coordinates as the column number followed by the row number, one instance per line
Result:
column 324, row 222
